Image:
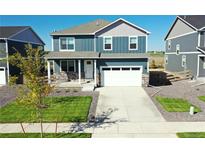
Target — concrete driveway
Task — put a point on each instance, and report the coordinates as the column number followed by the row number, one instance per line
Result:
column 127, row 104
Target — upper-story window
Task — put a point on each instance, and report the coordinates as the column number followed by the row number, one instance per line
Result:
column 107, row 43
column 67, row 43
column 169, row 44
column 133, row 43
column 177, row 49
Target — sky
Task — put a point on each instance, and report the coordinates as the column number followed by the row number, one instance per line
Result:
column 43, row 25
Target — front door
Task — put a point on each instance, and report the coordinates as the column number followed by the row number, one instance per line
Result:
column 88, row 69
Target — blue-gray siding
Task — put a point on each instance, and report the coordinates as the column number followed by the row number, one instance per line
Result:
column 188, row 43
column 86, row 43
column 201, row 69
column 121, row 44
column 175, row 63
column 2, row 49
column 82, row 43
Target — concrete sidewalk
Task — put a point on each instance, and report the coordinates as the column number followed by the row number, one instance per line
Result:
column 110, row 130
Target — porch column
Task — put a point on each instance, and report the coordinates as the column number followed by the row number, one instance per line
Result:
column 79, row 71
column 95, row 73
column 49, row 72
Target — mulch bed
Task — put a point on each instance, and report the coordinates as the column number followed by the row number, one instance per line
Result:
column 181, row 89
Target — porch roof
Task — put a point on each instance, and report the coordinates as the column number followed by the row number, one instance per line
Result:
column 123, row 55
column 72, row 55
column 93, row 55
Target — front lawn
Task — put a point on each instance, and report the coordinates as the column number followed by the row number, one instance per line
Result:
column 191, row 135
column 45, row 135
column 176, row 104
column 61, row 109
column 202, row 98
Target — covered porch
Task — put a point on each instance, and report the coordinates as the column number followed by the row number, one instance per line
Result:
column 72, row 69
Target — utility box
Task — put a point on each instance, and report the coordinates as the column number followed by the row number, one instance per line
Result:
column 191, row 110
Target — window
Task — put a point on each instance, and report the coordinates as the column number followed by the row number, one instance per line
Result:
column 166, row 59
column 107, row 43
column 177, row 49
column 133, row 43
column 184, row 61
column 135, row 68
column 67, row 65
column 67, row 43
column 125, row 69
column 169, row 44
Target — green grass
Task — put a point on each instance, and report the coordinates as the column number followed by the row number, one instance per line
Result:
column 191, row 135
column 45, row 135
column 176, row 104
column 61, row 109
column 202, row 98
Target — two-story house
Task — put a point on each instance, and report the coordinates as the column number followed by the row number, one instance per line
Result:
column 185, row 45
column 107, row 54
column 12, row 39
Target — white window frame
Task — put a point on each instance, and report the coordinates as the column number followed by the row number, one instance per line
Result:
column 104, row 43
column 166, row 59
column 169, row 44
column 183, row 62
column 67, row 64
column 66, row 43
column 177, row 48
column 136, row 42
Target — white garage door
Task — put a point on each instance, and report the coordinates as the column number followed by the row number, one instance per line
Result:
column 2, row 76
column 121, row 76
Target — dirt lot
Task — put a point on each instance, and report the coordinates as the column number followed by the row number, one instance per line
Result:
column 156, row 61
column 185, row 89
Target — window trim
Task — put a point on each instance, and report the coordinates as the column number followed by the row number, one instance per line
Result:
column 183, row 58
column 169, row 43
column 67, row 44
column 178, row 45
column 104, row 43
column 136, row 43
column 67, row 65
column 204, row 64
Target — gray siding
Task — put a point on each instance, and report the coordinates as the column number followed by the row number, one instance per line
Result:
column 188, row 43
column 175, row 61
column 82, row 43
column 2, row 49
column 202, row 39
column 121, row 44
column 123, row 62
column 201, row 69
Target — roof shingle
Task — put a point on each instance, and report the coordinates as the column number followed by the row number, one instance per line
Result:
column 8, row 31
column 197, row 21
column 88, row 28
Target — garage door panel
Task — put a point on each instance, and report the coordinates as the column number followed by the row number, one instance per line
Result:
column 122, row 77
column 2, row 76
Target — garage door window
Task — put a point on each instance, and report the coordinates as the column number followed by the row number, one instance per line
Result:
column 116, row 69
column 125, row 69
column 136, row 69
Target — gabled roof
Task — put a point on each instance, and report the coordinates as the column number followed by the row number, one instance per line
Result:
column 84, row 29
column 8, row 31
column 94, row 27
column 196, row 22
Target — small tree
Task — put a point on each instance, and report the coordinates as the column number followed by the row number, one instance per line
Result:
column 35, row 88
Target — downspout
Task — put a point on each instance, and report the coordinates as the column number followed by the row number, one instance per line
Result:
column 7, row 61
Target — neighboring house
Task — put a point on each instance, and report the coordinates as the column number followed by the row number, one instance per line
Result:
column 185, row 45
column 14, row 38
column 107, row 54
